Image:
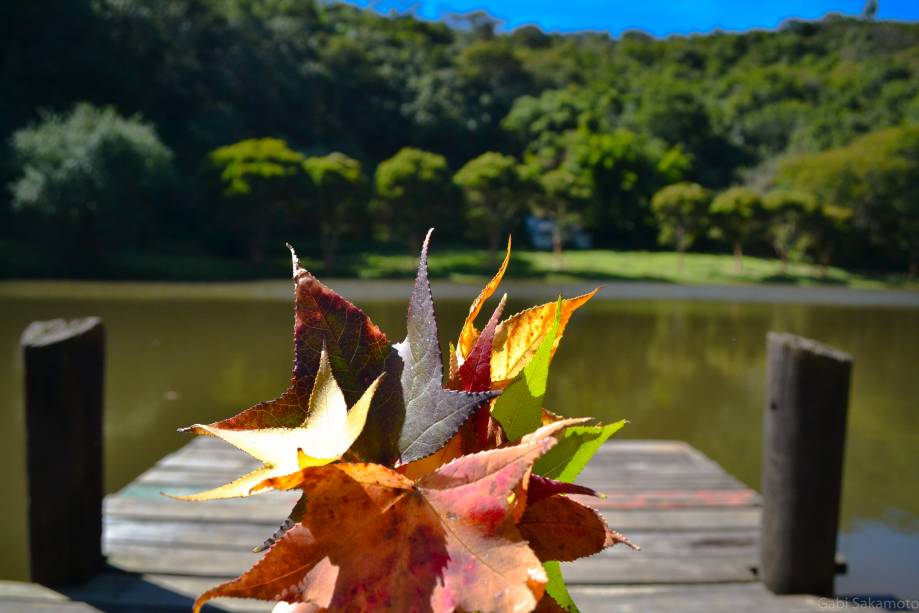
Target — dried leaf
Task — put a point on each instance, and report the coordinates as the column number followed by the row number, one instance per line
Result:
column 327, row 433
column 432, row 414
column 469, row 334
column 359, row 353
column 296, row 514
column 445, row 543
column 559, row 528
column 475, row 373
column 519, row 409
column 542, row 487
column 519, row 336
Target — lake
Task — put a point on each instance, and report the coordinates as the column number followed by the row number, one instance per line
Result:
column 677, row 369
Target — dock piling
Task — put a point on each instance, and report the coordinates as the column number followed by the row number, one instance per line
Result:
column 804, row 426
column 64, row 376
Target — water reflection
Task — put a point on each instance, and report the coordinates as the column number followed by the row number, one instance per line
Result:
column 684, row 370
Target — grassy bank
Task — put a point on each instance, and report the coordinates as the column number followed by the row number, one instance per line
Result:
column 454, row 264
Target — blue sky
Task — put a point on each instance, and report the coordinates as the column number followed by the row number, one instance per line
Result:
column 657, row 17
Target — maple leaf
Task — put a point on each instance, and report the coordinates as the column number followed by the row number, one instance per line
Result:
column 469, row 334
column 327, row 432
column 556, row 599
column 358, row 351
column 559, row 528
column 432, row 414
column 475, row 373
column 519, row 409
column 578, row 445
column 447, row 542
column 519, row 336
column 542, row 487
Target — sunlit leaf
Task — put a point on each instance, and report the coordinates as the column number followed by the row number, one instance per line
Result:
column 519, row 336
column 358, row 352
column 445, row 543
column 542, row 487
column 469, row 334
column 577, row 446
column 327, row 433
column 557, row 597
column 519, row 409
column 432, row 414
column 559, row 528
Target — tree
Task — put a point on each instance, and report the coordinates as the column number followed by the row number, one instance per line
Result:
column 564, row 194
column 827, row 225
column 876, row 177
column 337, row 191
column 786, row 213
column 96, row 176
column 263, row 177
column 681, row 211
column 624, row 170
column 414, row 192
column 737, row 216
column 496, row 190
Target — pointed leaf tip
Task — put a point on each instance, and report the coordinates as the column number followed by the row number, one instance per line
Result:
column 295, row 261
column 432, row 413
column 469, row 334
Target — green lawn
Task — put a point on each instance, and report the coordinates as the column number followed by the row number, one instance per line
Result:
column 452, row 263
column 626, row 266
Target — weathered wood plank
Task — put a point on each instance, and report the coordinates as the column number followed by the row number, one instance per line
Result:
column 726, row 598
column 619, row 481
column 629, row 521
column 244, row 536
column 696, row 524
column 629, row 568
column 112, row 591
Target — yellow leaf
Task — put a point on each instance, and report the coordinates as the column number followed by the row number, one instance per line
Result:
column 469, row 334
column 327, row 433
column 518, row 337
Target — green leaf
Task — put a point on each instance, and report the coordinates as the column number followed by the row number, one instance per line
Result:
column 519, row 408
column 578, row 444
column 556, row 587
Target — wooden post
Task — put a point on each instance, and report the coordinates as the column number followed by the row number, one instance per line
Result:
column 804, row 428
column 64, row 374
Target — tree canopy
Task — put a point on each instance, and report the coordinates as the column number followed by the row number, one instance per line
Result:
column 620, row 118
column 93, row 175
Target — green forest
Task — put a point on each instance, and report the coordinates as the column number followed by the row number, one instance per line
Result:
column 182, row 129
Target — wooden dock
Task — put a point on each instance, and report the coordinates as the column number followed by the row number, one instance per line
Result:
column 696, row 524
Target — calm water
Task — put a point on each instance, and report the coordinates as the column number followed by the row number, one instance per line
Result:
column 684, row 370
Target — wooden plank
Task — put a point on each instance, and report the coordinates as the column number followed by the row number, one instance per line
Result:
column 674, row 499
column 726, row 598
column 636, row 569
column 117, row 591
column 629, row 521
column 180, row 561
column 18, row 606
column 21, row 590
column 184, row 481
column 244, row 536
column 629, row 568
column 271, row 508
column 211, row 535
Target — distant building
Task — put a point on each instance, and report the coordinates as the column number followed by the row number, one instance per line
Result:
column 540, row 232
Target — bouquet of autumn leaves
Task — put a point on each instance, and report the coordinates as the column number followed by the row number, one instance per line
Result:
column 423, row 495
